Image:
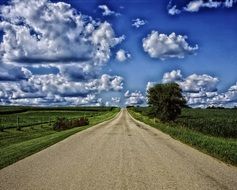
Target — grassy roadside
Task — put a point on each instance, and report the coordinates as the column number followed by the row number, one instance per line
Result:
column 30, row 141
column 224, row 149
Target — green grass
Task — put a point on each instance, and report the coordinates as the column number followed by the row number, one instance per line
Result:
column 224, row 149
column 19, row 109
column 16, row 145
column 33, row 117
column 214, row 122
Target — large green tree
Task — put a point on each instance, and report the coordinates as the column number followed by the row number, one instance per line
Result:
column 166, row 101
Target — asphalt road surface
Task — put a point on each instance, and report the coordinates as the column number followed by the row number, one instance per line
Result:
column 119, row 154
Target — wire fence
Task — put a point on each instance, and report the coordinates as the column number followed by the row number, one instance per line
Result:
column 20, row 121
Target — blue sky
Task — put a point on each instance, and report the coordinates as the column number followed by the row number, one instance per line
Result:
column 109, row 52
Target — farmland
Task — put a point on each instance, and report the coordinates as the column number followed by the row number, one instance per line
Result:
column 215, row 122
column 213, row 131
column 18, row 117
column 26, row 130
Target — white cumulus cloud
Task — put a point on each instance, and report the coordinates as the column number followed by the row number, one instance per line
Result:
column 57, row 88
column 194, row 6
column 173, row 10
column 115, row 101
column 42, row 34
column 122, row 55
column 107, row 11
column 138, row 22
column 134, row 98
column 201, row 90
column 197, row 5
column 192, row 83
column 172, row 76
column 163, row 46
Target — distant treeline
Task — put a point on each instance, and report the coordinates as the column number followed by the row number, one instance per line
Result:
column 4, row 110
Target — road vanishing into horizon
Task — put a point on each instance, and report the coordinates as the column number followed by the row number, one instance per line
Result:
column 119, row 154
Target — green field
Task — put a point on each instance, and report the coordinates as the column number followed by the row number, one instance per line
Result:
column 30, row 117
column 36, row 132
column 213, row 131
column 215, row 122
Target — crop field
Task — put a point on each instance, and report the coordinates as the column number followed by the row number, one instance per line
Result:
column 214, row 122
column 25, row 131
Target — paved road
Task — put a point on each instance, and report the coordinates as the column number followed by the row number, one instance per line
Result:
column 119, row 154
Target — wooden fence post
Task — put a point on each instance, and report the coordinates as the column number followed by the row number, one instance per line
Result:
column 1, row 125
column 18, row 124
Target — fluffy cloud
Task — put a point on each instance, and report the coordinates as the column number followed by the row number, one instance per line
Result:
column 204, row 99
column 45, row 32
column 104, row 39
column 42, row 34
column 196, row 83
column 107, row 11
column 115, row 101
column 79, row 72
column 107, row 82
column 229, row 3
column 13, row 73
column 172, row 76
column 173, row 10
column 201, row 90
column 227, row 99
column 192, row 83
column 197, row 89
column 163, row 46
column 57, row 88
column 122, row 55
column 40, row 31
column 138, row 22
column 134, row 98
column 89, row 100
column 196, row 5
